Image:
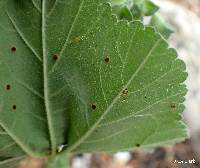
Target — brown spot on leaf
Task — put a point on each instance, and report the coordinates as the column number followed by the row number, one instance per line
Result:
column 172, row 105
column 14, row 107
column 125, row 92
column 77, row 39
column 137, row 145
column 107, row 59
column 8, row 87
column 13, row 49
column 93, row 106
column 55, row 57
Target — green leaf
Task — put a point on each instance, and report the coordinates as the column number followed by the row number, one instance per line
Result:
column 11, row 163
column 133, row 9
column 146, row 7
column 116, row 2
column 75, row 79
column 164, row 28
column 149, row 8
column 122, row 12
column 60, row 162
column 8, row 148
column 136, row 12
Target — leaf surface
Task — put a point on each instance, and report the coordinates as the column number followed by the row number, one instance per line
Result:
column 73, row 76
column 10, row 163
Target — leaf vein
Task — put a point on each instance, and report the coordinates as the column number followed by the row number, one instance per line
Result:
column 107, row 137
column 7, row 146
column 139, row 111
column 53, row 8
column 69, row 35
column 114, row 100
column 154, row 81
column 33, row 91
column 23, row 38
column 46, row 91
column 37, row 7
column 126, row 55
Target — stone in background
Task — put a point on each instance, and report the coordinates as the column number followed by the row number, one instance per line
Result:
column 186, row 40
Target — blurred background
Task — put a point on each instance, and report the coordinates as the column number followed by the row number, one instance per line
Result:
column 183, row 17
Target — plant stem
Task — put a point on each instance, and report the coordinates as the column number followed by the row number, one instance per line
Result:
column 59, row 162
column 51, row 162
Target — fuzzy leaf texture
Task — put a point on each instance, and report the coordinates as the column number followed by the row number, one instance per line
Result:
column 75, row 79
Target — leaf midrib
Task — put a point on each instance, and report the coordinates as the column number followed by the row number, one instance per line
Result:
column 46, row 71
column 68, row 36
column 45, row 77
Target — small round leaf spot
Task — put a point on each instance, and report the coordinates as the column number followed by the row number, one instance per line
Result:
column 145, row 97
column 8, row 87
column 137, row 145
column 125, row 92
column 55, row 57
column 172, row 105
column 77, row 39
column 13, row 49
column 14, row 107
column 107, row 60
column 93, row 106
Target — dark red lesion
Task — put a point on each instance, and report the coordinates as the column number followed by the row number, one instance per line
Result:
column 93, row 106
column 125, row 92
column 14, row 107
column 13, row 49
column 8, row 87
column 107, row 59
column 172, row 105
column 55, row 57
column 137, row 145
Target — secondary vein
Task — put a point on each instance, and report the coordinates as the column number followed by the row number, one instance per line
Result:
column 23, row 37
column 87, row 134
column 69, row 35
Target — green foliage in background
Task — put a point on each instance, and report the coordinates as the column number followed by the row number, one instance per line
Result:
column 73, row 78
column 139, row 9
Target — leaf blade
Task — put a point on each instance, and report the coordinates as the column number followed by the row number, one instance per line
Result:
column 11, row 163
column 142, row 33
column 100, row 80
